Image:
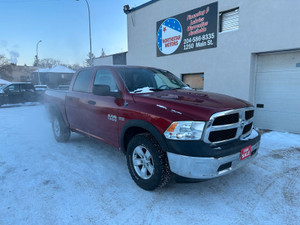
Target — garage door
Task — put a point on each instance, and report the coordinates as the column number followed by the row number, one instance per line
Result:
column 277, row 95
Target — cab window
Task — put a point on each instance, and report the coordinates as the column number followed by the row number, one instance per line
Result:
column 105, row 77
column 83, row 80
column 27, row 87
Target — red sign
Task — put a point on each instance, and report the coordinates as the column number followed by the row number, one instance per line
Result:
column 245, row 152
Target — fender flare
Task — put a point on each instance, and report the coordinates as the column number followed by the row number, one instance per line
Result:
column 52, row 110
column 145, row 126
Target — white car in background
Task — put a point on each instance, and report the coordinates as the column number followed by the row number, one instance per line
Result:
column 40, row 91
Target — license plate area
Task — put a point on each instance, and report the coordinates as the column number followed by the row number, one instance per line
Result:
column 245, row 152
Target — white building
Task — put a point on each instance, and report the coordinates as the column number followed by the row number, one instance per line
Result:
column 249, row 49
column 114, row 59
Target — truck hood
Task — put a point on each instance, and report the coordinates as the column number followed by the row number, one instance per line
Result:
column 195, row 105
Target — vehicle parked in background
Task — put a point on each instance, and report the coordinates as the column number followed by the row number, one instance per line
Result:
column 40, row 91
column 63, row 87
column 40, row 87
column 160, row 124
column 17, row 92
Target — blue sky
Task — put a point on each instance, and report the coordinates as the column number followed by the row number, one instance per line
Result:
column 62, row 25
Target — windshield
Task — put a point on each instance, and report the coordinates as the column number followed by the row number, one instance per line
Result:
column 142, row 80
column 4, row 86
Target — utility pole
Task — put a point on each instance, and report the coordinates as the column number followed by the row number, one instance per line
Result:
column 37, row 60
column 90, row 33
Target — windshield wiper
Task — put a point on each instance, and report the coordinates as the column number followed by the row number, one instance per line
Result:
column 157, row 89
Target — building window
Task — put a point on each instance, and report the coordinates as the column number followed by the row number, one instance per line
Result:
column 194, row 80
column 229, row 20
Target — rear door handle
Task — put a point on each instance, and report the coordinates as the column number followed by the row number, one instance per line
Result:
column 69, row 98
column 92, row 102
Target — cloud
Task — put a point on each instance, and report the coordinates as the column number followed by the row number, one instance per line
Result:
column 14, row 55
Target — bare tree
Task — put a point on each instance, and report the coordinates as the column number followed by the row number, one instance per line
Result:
column 89, row 61
column 5, row 68
column 36, row 62
column 49, row 62
column 3, row 60
column 103, row 53
column 73, row 66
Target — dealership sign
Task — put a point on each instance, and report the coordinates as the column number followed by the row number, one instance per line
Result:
column 189, row 31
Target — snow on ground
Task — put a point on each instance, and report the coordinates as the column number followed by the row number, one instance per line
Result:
column 87, row 182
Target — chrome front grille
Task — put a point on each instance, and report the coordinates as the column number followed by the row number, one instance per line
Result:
column 229, row 125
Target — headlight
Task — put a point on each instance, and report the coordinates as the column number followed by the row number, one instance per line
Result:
column 185, row 130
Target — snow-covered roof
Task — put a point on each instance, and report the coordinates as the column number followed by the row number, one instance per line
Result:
column 60, row 69
column 55, row 69
column 42, row 70
column 2, row 82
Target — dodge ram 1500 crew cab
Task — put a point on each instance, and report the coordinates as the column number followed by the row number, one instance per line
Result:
column 160, row 124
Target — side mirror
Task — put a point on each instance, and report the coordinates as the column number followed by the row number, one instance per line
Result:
column 103, row 90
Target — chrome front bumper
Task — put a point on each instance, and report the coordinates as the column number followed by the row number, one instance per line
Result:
column 208, row 167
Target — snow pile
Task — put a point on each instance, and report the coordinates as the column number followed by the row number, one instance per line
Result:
column 143, row 90
column 20, row 104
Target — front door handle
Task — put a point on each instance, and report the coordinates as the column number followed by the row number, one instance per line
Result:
column 92, row 102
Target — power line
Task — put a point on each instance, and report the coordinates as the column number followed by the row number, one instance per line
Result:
column 29, row 1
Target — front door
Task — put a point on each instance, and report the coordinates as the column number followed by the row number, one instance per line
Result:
column 13, row 92
column 104, row 109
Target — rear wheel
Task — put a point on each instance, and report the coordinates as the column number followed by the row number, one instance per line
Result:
column 147, row 163
column 60, row 130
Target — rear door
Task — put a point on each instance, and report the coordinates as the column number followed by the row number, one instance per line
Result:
column 28, row 92
column 77, row 106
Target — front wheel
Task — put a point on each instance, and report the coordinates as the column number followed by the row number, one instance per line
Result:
column 60, row 130
column 147, row 163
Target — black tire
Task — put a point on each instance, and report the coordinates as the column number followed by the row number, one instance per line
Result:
column 60, row 131
column 156, row 165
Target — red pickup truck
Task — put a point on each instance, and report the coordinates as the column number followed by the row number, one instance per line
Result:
column 162, row 126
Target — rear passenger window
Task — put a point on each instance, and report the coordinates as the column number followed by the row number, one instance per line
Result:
column 27, row 87
column 105, row 77
column 83, row 80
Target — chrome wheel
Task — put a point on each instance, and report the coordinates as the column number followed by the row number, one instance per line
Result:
column 61, row 132
column 143, row 162
column 56, row 127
